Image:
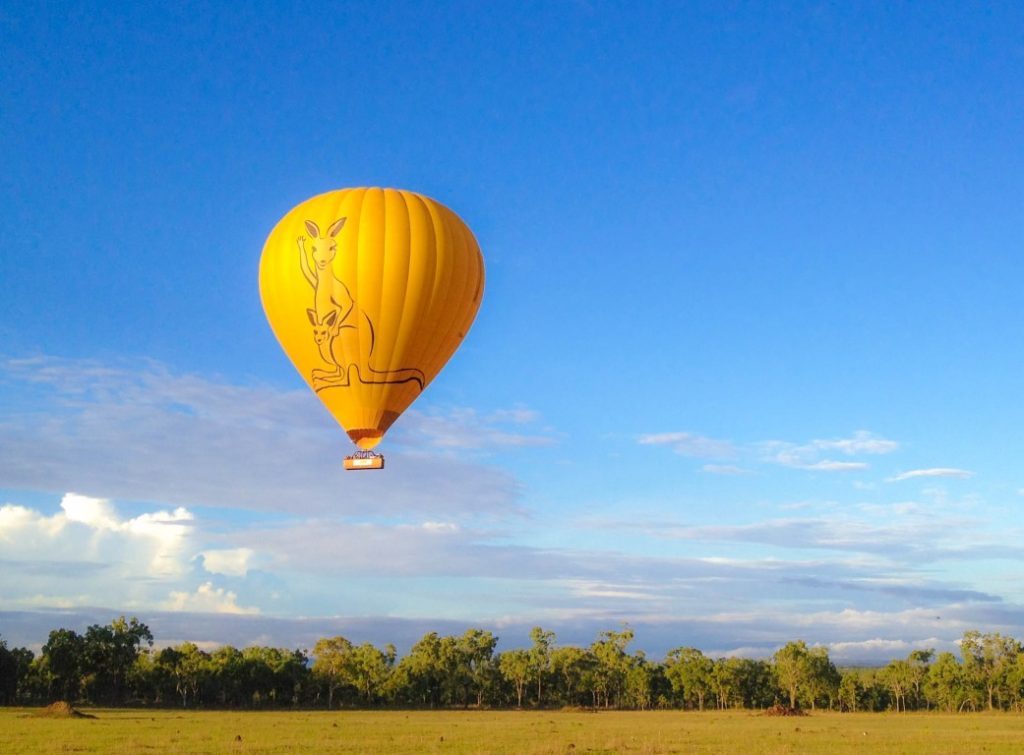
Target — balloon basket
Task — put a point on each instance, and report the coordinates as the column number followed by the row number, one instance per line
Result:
column 364, row 460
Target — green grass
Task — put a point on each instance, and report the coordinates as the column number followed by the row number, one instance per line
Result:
column 521, row 733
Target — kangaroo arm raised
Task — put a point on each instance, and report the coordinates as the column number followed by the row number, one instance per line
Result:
column 304, row 261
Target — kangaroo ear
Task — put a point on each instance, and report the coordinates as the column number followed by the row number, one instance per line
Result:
column 336, row 226
column 313, row 228
column 330, row 317
column 312, row 316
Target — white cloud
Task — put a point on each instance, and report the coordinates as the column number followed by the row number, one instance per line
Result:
column 19, row 522
column 88, row 554
column 690, row 444
column 808, row 455
column 232, row 562
column 862, row 442
column 960, row 474
column 729, row 470
column 207, row 599
column 94, row 512
column 611, row 590
column 828, row 465
column 467, row 429
column 90, row 528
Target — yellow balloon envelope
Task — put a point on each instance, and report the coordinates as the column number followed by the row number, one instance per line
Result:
column 370, row 292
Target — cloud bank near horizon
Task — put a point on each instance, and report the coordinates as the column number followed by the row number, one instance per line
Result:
column 232, row 518
column 245, row 580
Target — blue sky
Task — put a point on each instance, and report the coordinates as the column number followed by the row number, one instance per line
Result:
column 747, row 368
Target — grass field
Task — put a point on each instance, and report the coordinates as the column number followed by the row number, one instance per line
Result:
column 137, row 731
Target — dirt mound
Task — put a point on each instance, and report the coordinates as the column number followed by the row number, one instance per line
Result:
column 62, row 710
column 783, row 710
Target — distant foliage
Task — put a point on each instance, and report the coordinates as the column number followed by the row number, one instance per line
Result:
column 116, row 664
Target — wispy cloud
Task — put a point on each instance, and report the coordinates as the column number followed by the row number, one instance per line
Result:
column 814, row 456
column 729, row 470
column 828, row 465
column 141, row 432
column 690, row 444
column 809, row 455
column 468, row 429
column 960, row 474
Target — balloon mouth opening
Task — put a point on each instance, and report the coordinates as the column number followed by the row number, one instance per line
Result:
column 368, row 437
column 365, row 439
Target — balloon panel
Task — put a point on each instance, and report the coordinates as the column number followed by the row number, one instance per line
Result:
column 370, row 291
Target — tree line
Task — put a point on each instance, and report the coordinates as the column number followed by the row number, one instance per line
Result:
column 116, row 664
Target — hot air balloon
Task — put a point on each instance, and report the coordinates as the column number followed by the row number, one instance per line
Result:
column 370, row 291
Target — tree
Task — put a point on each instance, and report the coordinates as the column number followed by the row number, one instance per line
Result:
column 898, row 676
column 370, row 669
column 188, row 667
column 476, row 659
column 612, row 664
column 517, row 667
column 945, row 683
column 540, row 656
column 988, row 659
column 919, row 660
column 109, row 653
column 757, row 684
column 640, row 682
column 1015, row 683
column 14, row 667
column 822, row 682
column 570, row 667
column 850, row 689
column 227, row 665
column 277, row 674
column 689, row 671
column 792, row 667
column 334, row 664
column 64, row 653
column 726, row 677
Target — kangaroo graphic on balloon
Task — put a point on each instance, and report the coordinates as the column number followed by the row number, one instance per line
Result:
column 334, row 320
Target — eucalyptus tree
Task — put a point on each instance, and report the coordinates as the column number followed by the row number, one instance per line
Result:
column 334, row 665
column 822, row 682
column 640, row 682
column 540, row 657
column 572, row 670
column 612, row 664
column 15, row 664
column 370, row 669
column 690, row 672
column 478, row 670
column 227, row 668
column 517, row 667
column 188, row 667
column 850, row 691
column 792, row 666
column 898, row 676
column 946, row 683
column 726, row 678
column 988, row 659
column 64, row 654
column 108, row 654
